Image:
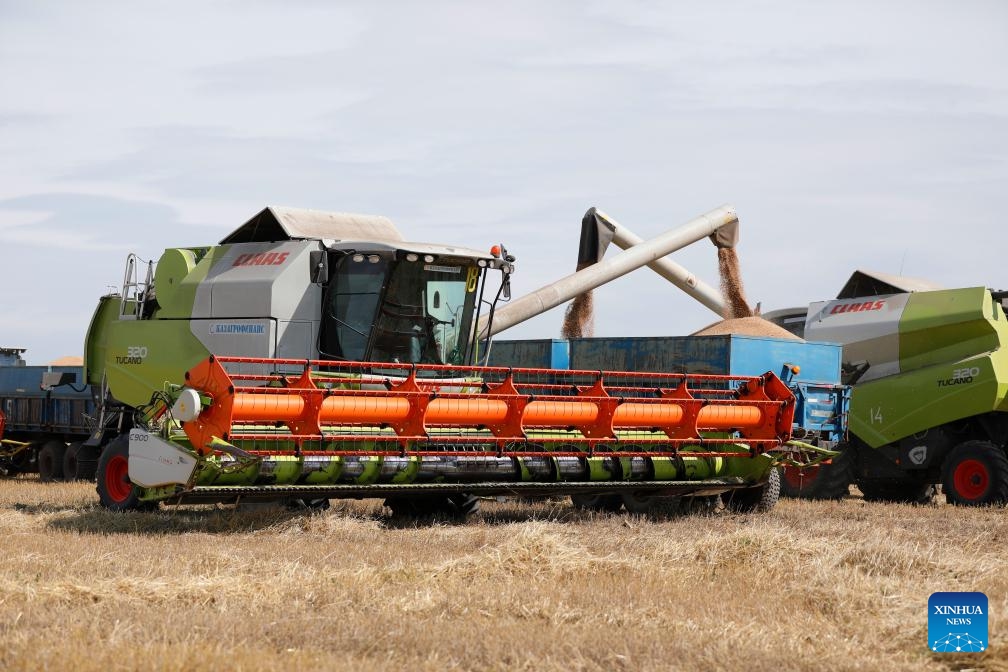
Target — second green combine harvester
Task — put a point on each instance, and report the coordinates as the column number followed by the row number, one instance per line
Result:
column 929, row 405
column 313, row 355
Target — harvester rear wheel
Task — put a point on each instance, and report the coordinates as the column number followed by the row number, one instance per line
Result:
column 115, row 490
column 823, row 481
column 757, row 499
column 610, row 503
column 50, row 461
column 975, row 473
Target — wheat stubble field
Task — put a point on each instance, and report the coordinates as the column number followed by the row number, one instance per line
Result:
column 811, row 586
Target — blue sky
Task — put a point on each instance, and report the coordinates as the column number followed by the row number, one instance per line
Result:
column 847, row 135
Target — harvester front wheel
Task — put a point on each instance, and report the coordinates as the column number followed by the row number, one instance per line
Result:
column 50, row 461
column 757, row 499
column 115, row 490
column 976, row 473
column 609, row 503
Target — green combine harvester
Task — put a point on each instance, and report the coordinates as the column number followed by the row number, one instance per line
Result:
column 929, row 406
column 315, row 355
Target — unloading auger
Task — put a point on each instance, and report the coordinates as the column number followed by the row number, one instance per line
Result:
column 261, row 429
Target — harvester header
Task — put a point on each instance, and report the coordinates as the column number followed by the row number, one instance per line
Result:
column 242, row 427
column 453, row 410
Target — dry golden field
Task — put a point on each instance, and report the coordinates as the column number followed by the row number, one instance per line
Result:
column 810, row 586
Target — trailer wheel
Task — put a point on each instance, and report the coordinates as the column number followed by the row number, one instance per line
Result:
column 50, row 461
column 976, row 473
column 70, row 464
column 757, row 499
column 609, row 503
column 823, row 481
column 115, row 490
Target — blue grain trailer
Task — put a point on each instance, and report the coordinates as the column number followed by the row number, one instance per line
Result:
column 47, row 413
column 811, row 370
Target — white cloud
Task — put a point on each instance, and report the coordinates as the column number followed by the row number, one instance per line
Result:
column 840, row 131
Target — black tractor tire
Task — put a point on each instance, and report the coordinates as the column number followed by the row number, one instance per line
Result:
column 897, row 492
column 458, row 505
column 823, row 481
column 50, row 461
column 70, row 463
column 115, row 491
column 975, row 473
column 610, row 503
column 757, row 499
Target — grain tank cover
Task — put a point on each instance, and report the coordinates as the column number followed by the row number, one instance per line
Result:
column 276, row 224
column 872, row 283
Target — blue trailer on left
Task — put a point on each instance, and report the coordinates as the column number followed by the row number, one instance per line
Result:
column 46, row 412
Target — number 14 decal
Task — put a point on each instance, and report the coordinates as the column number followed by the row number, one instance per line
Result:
column 875, row 415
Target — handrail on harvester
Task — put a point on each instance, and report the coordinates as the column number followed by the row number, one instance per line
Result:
column 410, row 408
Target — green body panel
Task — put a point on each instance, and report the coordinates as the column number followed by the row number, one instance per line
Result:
column 181, row 291
column 888, row 409
column 953, row 366
column 948, row 326
column 96, row 341
column 143, row 356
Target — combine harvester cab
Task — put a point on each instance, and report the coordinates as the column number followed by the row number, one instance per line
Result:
column 313, row 355
column 929, row 372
